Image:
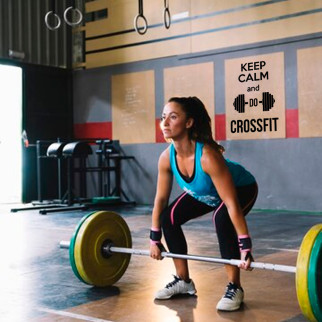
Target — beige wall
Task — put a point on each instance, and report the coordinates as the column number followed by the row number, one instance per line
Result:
column 196, row 26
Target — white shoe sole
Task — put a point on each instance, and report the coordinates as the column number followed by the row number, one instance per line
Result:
column 169, row 297
column 229, row 309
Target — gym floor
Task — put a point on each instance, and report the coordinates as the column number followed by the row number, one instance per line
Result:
column 37, row 282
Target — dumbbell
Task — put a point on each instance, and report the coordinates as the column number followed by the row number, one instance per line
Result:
column 267, row 101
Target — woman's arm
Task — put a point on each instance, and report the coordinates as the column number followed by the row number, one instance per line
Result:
column 164, row 185
column 214, row 165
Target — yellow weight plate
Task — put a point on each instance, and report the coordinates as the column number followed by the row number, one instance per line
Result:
column 72, row 245
column 302, row 269
column 92, row 266
column 315, row 278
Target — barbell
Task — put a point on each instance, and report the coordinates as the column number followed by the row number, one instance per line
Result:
column 267, row 102
column 100, row 252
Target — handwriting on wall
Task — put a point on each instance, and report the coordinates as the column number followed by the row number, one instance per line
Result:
column 133, row 107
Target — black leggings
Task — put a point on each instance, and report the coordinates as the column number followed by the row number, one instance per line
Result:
column 186, row 207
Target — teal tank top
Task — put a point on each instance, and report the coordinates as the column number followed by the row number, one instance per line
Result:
column 201, row 186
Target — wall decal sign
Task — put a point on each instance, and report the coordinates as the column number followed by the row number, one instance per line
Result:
column 255, row 99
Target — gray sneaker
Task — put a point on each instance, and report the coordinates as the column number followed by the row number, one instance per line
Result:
column 177, row 286
column 232, row 299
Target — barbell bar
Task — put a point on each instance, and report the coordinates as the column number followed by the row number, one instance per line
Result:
column 101, row 247
column 109, row 249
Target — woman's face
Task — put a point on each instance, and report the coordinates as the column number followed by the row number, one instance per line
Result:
column 174, row 122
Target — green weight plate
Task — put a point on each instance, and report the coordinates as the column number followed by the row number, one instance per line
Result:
column 92, row 266
column 315, row 278
column 72, row 246
column 302, row 268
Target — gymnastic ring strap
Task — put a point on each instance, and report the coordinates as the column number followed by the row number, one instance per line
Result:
column 140, row 30
column 78, row 21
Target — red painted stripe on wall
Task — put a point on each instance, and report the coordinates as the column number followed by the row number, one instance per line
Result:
column 104, row 129
column 220, row 127
column 93, row 130
column 292, row 123
column 158, row 133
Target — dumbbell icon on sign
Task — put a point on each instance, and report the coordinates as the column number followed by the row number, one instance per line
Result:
column 267, row 101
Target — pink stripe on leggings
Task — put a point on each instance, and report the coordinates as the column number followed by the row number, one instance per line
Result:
column 255, row 196
column 175, row 205
column 215, row 213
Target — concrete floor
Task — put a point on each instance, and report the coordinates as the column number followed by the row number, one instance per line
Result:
column 37, row 282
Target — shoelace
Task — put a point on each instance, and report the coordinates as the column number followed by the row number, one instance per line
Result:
column 230, row 291
column 176, row 280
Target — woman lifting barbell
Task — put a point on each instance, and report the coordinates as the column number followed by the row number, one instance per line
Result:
column 210, row 183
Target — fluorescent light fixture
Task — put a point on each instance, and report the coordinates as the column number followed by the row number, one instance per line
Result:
column 180, row 15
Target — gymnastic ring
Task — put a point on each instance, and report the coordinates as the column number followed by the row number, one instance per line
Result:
column 72, row 24
column 47, row 23
column 166, row 17
column 137, row 28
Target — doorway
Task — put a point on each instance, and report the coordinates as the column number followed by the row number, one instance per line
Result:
column 10, row 134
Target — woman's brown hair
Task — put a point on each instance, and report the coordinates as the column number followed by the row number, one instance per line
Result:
column 201, row 128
